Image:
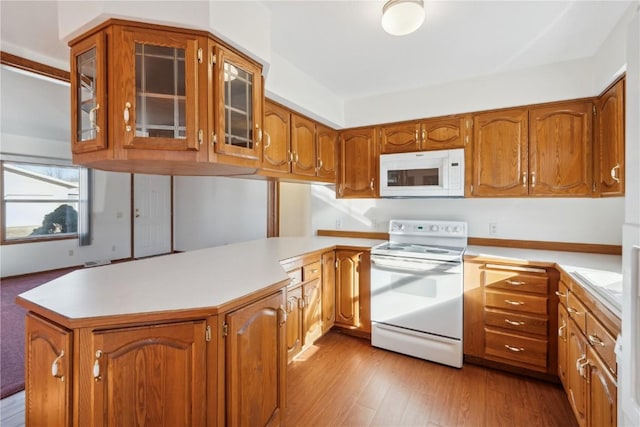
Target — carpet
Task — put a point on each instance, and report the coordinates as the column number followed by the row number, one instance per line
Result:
column 12, row 327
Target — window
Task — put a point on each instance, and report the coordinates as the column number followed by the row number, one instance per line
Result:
column 42, row 201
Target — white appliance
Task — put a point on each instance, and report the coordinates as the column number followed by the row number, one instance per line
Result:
column 628, row 348
column 417, row 290
column 437, row 173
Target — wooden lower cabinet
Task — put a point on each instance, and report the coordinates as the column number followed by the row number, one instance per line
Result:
column 49, row 373
column 256, row 363
column 348, row 288
column 312, row 317
column 588, row 357
column 328, row 290
column 150, row 375
column 294, row 321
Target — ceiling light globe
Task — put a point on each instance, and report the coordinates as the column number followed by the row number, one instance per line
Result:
column 402, row 17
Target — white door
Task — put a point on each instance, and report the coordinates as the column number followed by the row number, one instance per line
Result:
column 151, row 215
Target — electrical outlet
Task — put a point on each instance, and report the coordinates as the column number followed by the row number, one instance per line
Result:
column 70, row 252
column 338, row 224
column 493, row 228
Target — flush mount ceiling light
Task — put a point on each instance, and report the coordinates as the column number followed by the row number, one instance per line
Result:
column 401, row 17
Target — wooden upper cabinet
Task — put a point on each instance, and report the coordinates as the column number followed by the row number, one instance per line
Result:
column 277, row 143
column 237, row 96
column 609, row 142
column 358, row 163
column 89, row 94
column 400, row 138
column 256, row 363
column 49, row 373
column 303, row 146
column 445, row 133
column 155, row 94
column 151, row 375
column 560, row 143
column 327, row 142
column 500, row 153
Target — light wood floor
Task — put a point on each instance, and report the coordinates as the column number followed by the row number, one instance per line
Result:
column 343, row 381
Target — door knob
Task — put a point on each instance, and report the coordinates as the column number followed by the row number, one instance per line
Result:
column 137, row 213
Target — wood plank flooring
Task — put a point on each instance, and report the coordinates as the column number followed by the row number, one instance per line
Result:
column 343, row 381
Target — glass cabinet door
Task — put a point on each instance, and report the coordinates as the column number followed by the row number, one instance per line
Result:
column 238, row 84
column 88, row 89
column 158, row 93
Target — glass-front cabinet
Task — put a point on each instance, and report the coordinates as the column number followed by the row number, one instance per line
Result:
column 156, row 97
column 236, row 97
column 88, row 96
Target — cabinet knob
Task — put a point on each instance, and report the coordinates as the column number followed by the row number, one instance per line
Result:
column 283, row 317
column 533, row 179
column 561, row 294
column 127, row 116
column 614, row 173
column 96, row 366
column 55, row 368
column 524, row 179
column 268, row 137
column 372, row 184
column 259, row 133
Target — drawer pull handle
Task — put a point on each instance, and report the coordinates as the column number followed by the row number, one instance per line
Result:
column 560, row 333
column 283, row 318
column 55, row 368
column 573, row 311
column 561, row 294
column 314, row 271
column 508, row 301
column 515, row 283
column 581, row 365
column 593, row 339
column 513, row 322
column 96, row 366
column 514, row 349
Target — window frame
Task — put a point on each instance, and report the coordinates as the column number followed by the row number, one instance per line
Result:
column 80, row 202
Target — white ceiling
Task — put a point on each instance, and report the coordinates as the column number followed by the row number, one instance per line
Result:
column 342, row 45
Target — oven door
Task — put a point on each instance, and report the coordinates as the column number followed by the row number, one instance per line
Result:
column 419, row 295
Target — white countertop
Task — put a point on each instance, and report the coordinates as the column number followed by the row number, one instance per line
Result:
column 599, row 274
column 203, row 278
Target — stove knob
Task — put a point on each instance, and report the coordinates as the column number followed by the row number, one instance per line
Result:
column 457, row 229
column 448, row 229
column 434, row 228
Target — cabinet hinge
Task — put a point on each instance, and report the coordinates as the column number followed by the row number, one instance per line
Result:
column 213, row 58
column 200, row 55
column 207, row 334
column 200, row 136
column 225, row 329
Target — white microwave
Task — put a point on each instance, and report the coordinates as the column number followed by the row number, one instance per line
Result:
column 422, row 174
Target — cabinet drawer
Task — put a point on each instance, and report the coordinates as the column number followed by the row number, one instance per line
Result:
column 515, row 302
column 577, row 311
column 602, row 342
column 516, row 281
column 311, row 271
column 516, row 322
column 295, row 276
column 531, row 351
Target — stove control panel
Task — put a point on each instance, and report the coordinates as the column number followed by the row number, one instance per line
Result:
column 434, row 228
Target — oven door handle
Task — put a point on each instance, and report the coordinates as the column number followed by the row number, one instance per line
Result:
column 399, row 264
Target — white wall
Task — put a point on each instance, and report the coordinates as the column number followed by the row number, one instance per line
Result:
column 214, row 211
column 295, row 210
column 578, row 220
column 36, row 112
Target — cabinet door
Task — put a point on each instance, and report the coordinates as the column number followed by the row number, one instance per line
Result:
column 256, row 363
column 155, row 89
column 327, row 142
column 609, row 142
column 442, row 134
column 328, row 290
column 347, row 288
column 563, row 362
column 560, row 142
column 500, row 153
column 303, row 146
column 237, row 95
column 89, row 95
column 577, row 372
column 312, row 321
column 48, row 373
column 151, row 375
column 400, row 138
column 603, row 394
column 294, row 322
column 358, row 164
column 277, row 144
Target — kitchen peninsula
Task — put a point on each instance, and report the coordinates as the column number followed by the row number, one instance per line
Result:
column 199, row 334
